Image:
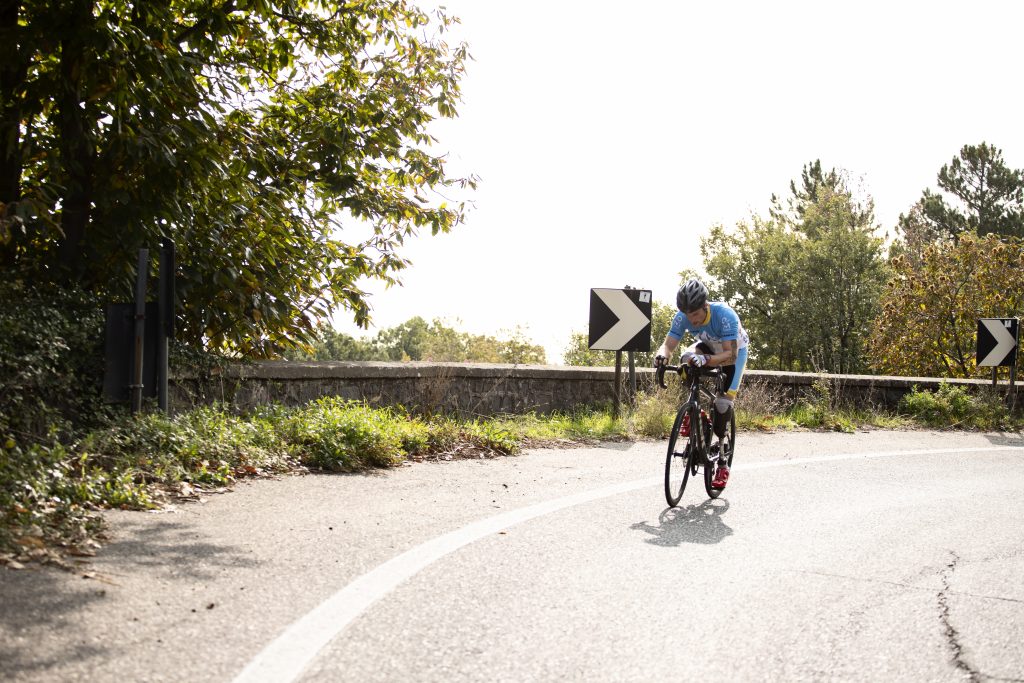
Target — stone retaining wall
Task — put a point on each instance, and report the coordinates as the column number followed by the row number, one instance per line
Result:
column 488, row 389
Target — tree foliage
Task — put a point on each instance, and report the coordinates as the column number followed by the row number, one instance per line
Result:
column 283, row 144
column 805, row 281
column 418, row 340
column 978, row 193
column 930, row 309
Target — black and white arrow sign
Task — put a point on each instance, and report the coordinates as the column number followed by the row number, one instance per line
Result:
column 997, row 341
column 620, row 319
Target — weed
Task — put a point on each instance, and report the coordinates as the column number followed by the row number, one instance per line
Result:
column 653, row 414
column 952, row 406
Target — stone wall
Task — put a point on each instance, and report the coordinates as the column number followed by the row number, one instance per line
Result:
column 488, row 389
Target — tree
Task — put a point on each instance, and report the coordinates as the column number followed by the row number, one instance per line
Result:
column 841, row 275
column 418, row 340
column 806, row 281
column 283, row 144
column 754, row 266
column 928, row 323
column 329, row 344
column 983, row 196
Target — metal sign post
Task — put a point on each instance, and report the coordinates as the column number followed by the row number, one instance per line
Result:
column 139, row 338
column 165, row 304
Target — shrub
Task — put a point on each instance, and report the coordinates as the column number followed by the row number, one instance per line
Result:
column 51, row 361
column 653, row 414
column 952, row 406
column 345, row 436
column 45, row 493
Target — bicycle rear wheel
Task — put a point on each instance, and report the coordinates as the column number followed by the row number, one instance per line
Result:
column 709, row 468
column 680, row 454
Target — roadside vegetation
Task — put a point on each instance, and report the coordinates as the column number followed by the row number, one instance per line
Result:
column 51, row 488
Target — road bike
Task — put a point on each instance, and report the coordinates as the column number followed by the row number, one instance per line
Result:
column 689, row 444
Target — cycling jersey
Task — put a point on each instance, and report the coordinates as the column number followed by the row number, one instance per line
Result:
column 722, row 324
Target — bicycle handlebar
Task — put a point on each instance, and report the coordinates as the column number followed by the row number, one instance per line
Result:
column 680, row 369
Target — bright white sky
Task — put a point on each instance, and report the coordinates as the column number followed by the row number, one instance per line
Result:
column 610, row 136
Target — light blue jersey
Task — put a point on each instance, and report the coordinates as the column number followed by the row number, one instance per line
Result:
column 722, row 324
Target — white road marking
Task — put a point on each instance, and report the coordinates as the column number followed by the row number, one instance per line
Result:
column 290, row 653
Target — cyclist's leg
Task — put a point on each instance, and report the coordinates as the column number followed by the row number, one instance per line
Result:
column 732, row 375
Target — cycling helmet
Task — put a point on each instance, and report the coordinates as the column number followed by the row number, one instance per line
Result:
column 691, row 296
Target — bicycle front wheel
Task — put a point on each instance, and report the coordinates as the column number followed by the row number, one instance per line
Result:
column 680, row 453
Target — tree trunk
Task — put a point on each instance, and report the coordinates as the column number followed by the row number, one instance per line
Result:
column 12, row 75
column 76, row 148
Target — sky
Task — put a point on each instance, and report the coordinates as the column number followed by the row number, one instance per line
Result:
column 609, row 137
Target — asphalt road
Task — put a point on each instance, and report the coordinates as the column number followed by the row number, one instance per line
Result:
column 872, row 556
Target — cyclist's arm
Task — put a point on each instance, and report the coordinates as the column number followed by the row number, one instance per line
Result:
column 730, row 351
column 668, row 347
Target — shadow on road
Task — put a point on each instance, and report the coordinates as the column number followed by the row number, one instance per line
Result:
column 1006, row 439
column 46, row 602
column 693, row 524
column 38, row 599
column 174, row 548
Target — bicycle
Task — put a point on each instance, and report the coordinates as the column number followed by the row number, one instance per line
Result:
column 693, row 423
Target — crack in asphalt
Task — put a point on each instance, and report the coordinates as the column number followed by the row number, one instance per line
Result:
column 952, row 635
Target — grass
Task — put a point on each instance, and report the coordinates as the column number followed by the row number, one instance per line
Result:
column 50, row 490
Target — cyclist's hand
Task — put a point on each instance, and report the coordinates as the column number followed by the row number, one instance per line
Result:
column 698, row 360
column 660, row 361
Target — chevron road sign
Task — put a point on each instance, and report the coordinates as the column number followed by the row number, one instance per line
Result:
column 620, row 319
column 997, row 341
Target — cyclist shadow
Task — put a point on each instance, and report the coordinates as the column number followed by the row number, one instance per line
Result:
column 693, row 524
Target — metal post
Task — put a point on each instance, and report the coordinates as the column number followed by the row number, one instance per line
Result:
column 1013, row 386
column 632, row 376
column 165, row 303
column 632, row 366
column 135, row 388
column 618, row 383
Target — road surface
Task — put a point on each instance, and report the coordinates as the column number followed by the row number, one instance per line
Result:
column 876, row 555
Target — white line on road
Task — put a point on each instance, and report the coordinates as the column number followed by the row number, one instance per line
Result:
column 290, row 653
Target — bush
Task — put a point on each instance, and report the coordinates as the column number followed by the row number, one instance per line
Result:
column 653, row 414
column 952, row 406
column 45, row 494
column 345, row 436
column 51, row 361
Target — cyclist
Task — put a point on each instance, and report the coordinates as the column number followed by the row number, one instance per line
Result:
column 720, row 341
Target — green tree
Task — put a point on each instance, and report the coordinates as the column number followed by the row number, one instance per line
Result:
column 978, row 193
column 930, row 310
column 329, row 344
column 754, row 266
column 418, row 340
column 283, row 144
column 841, row 275
column 806, row 281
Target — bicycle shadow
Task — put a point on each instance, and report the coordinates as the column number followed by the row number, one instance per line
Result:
column 702, row 523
